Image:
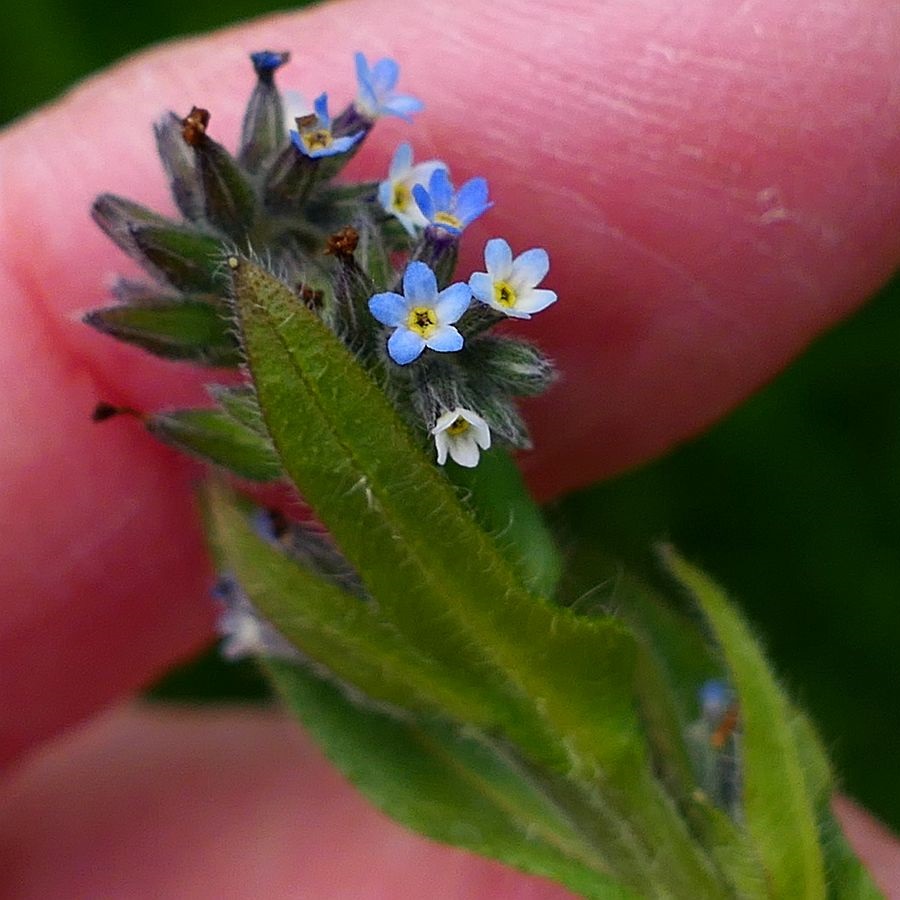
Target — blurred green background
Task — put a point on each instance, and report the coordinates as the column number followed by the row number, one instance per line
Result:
column 792, row 502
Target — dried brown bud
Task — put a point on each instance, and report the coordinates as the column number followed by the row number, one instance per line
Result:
column 193, row 126
column 343, row 243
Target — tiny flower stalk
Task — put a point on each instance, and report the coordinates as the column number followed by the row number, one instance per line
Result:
column 422, row 627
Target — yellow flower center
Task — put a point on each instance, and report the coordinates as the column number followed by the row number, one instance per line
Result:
column 318, row 138
column 458, row 426
column 402, row 197
column 504, row 295
column 422, row 320
column 445, row 218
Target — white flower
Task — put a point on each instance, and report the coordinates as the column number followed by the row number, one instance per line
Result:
column 510, row 285
column 395, row 193
column 460, row 433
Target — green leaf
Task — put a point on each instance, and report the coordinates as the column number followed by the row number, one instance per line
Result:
column 778, row 804
column 450, row 788
column 505, row 509
column 217, row 438
column 173, row 328
column 336, row 629
column 453, row 596
column 564, row 682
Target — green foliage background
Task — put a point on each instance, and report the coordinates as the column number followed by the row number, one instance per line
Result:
column 793, row 502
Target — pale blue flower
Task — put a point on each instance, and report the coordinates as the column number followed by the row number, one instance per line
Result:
column 510, row 285
column 395, row 192
column 445, row 207
column 461, row 433
column 314, row 137
column 376, row 95
column 421, row 316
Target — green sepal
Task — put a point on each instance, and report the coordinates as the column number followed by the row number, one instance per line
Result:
column 180, row 165
column 778, row 804
column 449, row 787
column 510, row 364
column 229, row 200
column 187, row 259
column 118, row 217
column 263, row 132
column 171, row 327
column 217, row 438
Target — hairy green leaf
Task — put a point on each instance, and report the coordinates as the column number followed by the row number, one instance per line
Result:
column 336, row 629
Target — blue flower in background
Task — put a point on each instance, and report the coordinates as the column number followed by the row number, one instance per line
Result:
column 511, row 285
column 421, row 316
column 376, row 95
column 314, row 137
column 445, row 207
column 266, row 61
column 395, row 192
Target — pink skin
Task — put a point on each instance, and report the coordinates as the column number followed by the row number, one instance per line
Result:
column 715, row 182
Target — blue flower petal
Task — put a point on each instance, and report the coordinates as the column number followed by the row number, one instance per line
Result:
column 452, row 302
column 383, row 76
column 321, row 109
column 402, row 160
column 482, row 286
column 342, row 144
column 404, row 346
column 424, row 201
column 386, row 195
column 531, row 267
column 441, row 190
column 498, row 258
column 445, row 339
column 472, row 200
column 402, row 105
column 389, row 308
column 419, row 284
column 362, row 68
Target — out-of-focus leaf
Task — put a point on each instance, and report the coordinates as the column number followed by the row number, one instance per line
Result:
column 777, row 800
column 218, row 438
column 448, row 787
column 173, row 328
column 505, row 509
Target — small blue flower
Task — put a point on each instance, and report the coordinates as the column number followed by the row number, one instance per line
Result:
column 266, row 61
column 395, row 192
column 444, row 207
column 511, row 285
column 314, row 137
column 376, row 96
column 422, row 317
